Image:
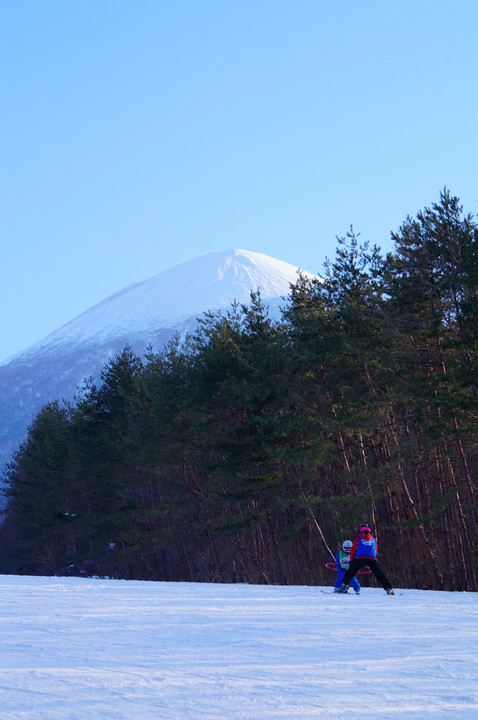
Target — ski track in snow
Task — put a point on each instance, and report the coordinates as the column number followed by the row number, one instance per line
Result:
column 80, row 649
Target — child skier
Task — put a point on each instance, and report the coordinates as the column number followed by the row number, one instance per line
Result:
column 342, row 562
column 364, row 553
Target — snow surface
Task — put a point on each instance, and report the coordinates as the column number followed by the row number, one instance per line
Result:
column 81, row 649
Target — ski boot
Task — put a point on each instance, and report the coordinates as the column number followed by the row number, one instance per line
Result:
column 343, row 588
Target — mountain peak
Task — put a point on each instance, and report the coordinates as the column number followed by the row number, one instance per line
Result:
column 144, row 314
column 172, row 297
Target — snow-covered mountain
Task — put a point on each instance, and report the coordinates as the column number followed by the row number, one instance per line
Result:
column 143, row 314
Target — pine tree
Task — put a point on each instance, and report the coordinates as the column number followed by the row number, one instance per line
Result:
column 42, row 501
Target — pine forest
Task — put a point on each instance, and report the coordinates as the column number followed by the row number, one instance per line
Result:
column 249, row 451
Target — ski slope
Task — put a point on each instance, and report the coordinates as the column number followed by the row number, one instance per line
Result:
column 81, row 649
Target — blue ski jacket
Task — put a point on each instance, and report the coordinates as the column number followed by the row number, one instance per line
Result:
column 364, row 546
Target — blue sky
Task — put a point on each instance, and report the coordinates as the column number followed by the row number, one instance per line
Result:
column 137, row 135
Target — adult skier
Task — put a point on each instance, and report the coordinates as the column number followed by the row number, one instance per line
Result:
column 342, row 562
column 364, row 553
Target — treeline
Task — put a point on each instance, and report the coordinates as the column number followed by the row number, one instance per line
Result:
column 241, row 453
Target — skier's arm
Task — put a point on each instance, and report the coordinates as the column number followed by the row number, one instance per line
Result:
column 354, row 549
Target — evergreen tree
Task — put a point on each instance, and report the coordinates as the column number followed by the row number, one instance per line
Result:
column 42, row 501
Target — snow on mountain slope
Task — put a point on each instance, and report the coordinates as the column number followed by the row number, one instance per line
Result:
column 142, row 314
column 209, row 282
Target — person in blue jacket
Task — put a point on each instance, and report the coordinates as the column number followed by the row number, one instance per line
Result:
column 342, row 562
column 364, row 553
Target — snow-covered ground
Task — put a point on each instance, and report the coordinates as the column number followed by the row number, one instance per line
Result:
column 79, row 649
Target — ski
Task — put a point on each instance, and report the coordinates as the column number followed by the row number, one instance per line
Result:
column 332, row 592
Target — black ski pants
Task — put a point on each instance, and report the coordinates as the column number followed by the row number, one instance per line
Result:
column 371, row 563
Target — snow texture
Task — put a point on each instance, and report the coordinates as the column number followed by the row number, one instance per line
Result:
column 82, row 649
